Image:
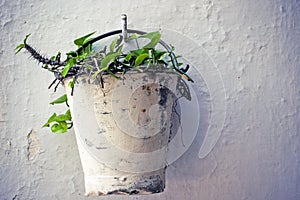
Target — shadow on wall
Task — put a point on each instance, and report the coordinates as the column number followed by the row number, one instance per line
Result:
column 189, row 166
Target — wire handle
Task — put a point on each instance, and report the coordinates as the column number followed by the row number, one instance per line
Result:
column 124, row 31
column 164, row 44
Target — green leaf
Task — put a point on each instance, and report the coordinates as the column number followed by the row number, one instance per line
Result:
column 59, row 128
column 62, row 118
column 139, row 52
column 60, row 100
column 68, row 113
column 107, row 60
column 87, row 40
column 50, row 120
column 71, row 62
column 154, row 39
column 19, row 48
column 55, row 128
column 139, row 60
column 82, row 56
column 80, row 41
column 110, row 58
column 160, row 54
column 71, row 83
column 113, row 45
column 134, row 36
column 88, row 49
column 60, row 122
column 128, row 57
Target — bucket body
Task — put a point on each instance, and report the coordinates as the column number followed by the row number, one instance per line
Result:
column 122, row 129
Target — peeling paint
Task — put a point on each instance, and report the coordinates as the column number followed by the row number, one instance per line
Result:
column 33, row 148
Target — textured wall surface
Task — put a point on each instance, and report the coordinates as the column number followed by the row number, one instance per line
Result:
column 254, row 44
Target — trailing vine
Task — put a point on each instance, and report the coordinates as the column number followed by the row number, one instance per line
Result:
column 110, row 60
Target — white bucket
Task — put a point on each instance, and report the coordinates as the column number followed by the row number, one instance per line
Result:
column 122, row 130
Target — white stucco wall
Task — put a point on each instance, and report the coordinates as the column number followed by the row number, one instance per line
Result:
column 254, row 44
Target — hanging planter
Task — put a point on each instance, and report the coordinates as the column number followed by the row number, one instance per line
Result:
column 120, row 127
column 121, row 103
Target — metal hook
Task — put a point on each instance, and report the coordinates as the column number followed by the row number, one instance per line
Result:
column 124, row 27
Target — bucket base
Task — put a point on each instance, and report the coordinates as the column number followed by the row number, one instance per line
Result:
column 128, row 184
